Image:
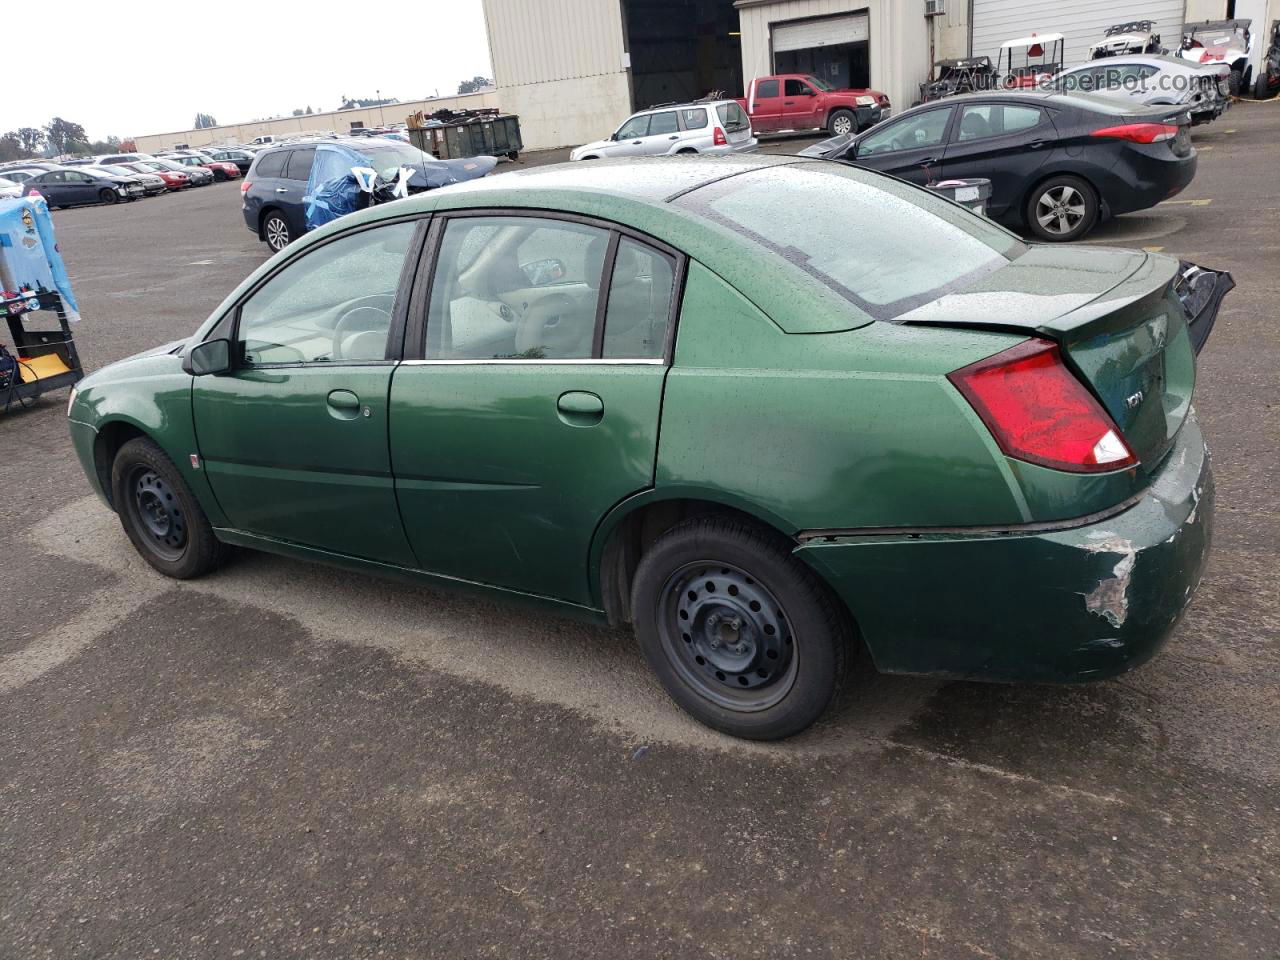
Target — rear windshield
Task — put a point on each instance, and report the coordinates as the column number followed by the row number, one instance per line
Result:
column 884, row 245
column 733, row 118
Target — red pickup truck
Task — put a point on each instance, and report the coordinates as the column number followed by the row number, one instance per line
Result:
column 798, row 101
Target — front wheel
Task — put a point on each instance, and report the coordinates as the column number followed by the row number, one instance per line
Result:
column 1062, row 208
column 1235, row 82
column 740, row 633
column 108, row 196
column 275, row 230
column 160, row 514
column 842, row 122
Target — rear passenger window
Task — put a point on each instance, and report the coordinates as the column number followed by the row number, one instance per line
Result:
column 271, row 164
column 663, row 123
column 639, row 307
column 300, row 163
column 694, row 119
column 766, row 89
column 995, row 120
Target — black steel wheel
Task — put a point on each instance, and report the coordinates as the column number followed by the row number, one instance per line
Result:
column 740, row 633
column 159, row 513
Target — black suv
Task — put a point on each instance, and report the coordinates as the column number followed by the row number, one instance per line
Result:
column 274, row 186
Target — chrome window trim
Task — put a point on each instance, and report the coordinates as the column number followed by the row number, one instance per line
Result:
column 576, row 361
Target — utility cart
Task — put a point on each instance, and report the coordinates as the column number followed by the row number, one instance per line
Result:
column 37, row 305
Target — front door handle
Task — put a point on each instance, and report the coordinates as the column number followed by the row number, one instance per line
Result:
column 282, row 189
column 1036, row 144
column 578, row 408
column 343, row 404
column 674, row 136
column 927, row 160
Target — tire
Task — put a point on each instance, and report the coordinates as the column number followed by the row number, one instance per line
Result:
column 741, row 634
column 275, row 231
column 1077, row 201
column 108, row 196
column 160, row 514
column 1260, row 90
column 1235, row 81
column 685, row 151
column 841, row 122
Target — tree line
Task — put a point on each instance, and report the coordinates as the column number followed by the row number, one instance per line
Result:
column 56, row 138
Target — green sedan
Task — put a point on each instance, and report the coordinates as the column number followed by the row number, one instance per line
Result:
column 769, row 411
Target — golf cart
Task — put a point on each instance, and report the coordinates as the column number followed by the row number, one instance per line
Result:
column 1122, row 39
column 1268, row 82
column 957, row 76
column 1221, row 41
column 1025, row 62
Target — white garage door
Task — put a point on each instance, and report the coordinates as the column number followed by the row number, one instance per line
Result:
column 820, row 33
column 1082, row 22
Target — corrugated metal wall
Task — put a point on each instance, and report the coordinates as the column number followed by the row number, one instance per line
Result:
column 1082, row 22
column 553, row 39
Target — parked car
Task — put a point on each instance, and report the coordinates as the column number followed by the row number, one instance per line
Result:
column 799, row 101
column 714, row 127
column 172, row 179
column 1221, row 41
column 982, row 453
column 9, row 188
column 152, row 184
column 200, row 176
column 243, row 159
column 1125, row 39
column 221, row 170
column 1268, row 82
column 273, row 191
column 122, row 157
column 1058, row 163
column 1149, row 79
column 73, row 186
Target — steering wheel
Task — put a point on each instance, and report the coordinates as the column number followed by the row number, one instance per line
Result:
column 359, row 319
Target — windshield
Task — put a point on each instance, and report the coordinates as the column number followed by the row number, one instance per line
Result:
column 885, row 245
column 819, row 84
column 388, row 157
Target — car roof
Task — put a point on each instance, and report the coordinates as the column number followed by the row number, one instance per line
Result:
column 681, row 105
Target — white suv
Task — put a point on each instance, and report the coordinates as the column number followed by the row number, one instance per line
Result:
column 711, row 126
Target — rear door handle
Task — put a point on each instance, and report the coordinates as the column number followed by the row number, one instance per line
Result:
column 282, row 189
column 579, row 408
column 674, row 136
column 927, row 160
column 1037, row 144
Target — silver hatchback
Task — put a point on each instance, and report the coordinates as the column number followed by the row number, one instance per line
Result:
column 711, row 126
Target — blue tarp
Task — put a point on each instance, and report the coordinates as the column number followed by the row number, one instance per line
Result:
column 29, row 253
column 333, row 190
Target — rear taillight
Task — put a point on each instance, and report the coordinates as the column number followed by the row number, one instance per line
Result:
column 718, row 138
column 1039, row 412
column 244, row 187
column 1139, row 132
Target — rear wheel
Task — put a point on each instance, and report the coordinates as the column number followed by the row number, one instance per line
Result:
column 841, row 122
column 160, row 514
column 108, row 196
column 740, row 633
column 1062, row 208
column 275, row 230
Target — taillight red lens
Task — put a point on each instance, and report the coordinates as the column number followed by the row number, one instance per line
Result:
column 244, row 186
column 1139, row 132
column 718, row 138
column 1039, row 412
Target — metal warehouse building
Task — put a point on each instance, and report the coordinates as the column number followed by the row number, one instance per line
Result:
column 574, row 69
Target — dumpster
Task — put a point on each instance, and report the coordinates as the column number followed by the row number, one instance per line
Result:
column 453, row 134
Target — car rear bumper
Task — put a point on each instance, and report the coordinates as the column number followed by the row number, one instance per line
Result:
column 1048, row 605
column 1145, row 175
column 745, row 146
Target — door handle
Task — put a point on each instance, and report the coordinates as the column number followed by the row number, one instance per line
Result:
column 927, row 160
column 674, row 136
column 788, row 103
column 1036, row 144
column 578, row 408
column 282, row 189
column 635, row 143
column 343, row 404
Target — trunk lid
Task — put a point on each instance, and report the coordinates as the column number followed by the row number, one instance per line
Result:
column 1121, row 318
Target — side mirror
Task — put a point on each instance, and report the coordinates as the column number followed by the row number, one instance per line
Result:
column 614, row 135
column 852, row 152
column 542, row 272
column 209, row 358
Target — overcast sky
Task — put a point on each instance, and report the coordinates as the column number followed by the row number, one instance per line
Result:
column 238, row 61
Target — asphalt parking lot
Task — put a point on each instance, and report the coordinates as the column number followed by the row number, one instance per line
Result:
column 284, row 760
